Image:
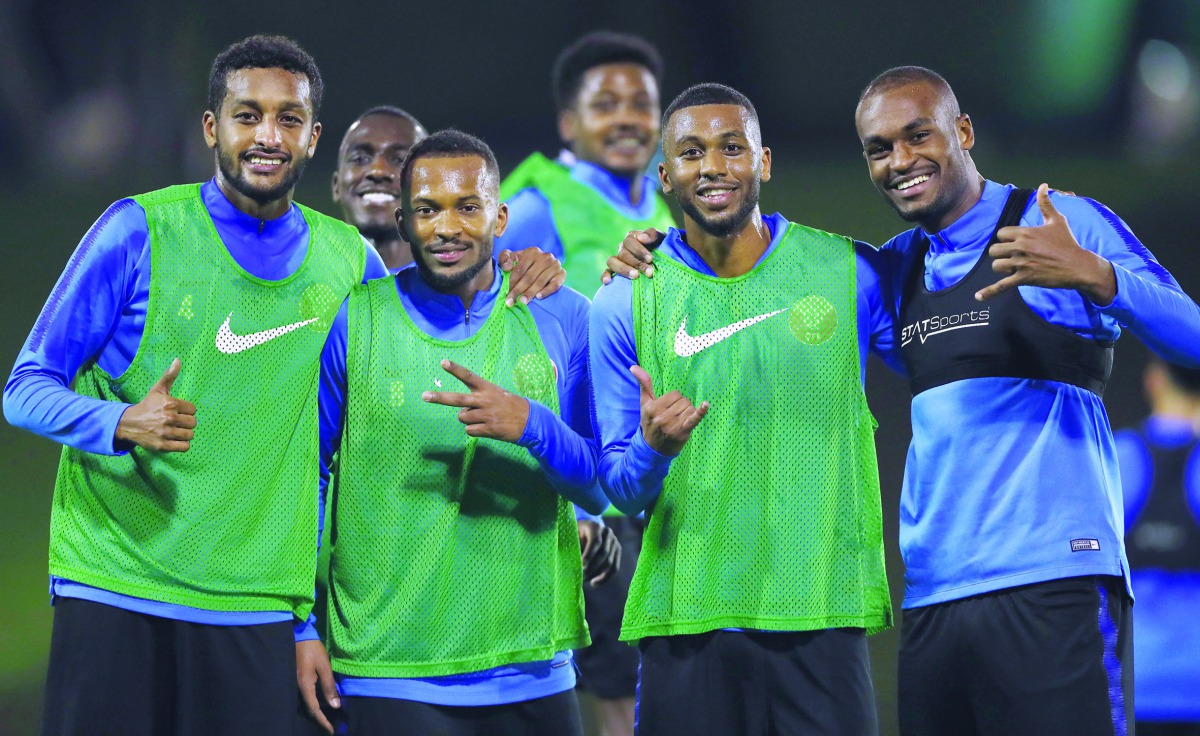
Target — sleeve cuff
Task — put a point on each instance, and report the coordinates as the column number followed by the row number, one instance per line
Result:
column 306, row 630
column 540, row 417
column 115, row 446
column 582, row 515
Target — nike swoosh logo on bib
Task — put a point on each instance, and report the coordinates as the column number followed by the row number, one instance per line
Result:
column 688, row 345
column 229, row 343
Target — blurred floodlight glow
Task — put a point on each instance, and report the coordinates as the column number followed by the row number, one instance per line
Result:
column 1164, row 70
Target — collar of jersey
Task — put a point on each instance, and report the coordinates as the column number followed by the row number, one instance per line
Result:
column 675, row 246
column 441, row 315
column 975, row 227
column 616, row 191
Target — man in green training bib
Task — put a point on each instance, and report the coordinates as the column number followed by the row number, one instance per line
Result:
column 455, row 577
column 731, row 409
column 606, row 88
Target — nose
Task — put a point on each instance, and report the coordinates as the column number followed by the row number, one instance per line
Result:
column 447, row 225
column 267, row 134
column 379, row 170
column 712, row 165
column 902, row 157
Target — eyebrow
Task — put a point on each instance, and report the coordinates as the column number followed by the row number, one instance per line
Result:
column 461, row 200
column 912, row 125
column 289, row 105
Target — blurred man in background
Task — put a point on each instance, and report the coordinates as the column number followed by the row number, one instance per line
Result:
column 606, row 87
column 1160, row 477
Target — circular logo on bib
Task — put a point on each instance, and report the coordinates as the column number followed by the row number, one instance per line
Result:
column 534, row 376
column 318, row 301
column 813, row 320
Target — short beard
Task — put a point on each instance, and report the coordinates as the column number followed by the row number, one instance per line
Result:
column 725, row 226
column 227, row 164
column 446, row 283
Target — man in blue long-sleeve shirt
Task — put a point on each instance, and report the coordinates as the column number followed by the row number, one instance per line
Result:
column 163, row 621
column 478, row 639
column 1017, row 613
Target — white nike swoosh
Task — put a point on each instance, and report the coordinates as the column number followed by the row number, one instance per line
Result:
column 229, row 343
column 688, row 345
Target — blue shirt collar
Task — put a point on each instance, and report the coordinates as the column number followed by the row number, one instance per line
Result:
column 615, row 190
column 676, row 246
column 439, row 311
column 975, row 225
column 281, row 232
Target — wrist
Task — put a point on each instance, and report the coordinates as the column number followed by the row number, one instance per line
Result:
column 1103, row 289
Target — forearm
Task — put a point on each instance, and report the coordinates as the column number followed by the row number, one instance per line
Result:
column 632, row 474
column 1160, row 314
column 567, row 459
column 42, row 402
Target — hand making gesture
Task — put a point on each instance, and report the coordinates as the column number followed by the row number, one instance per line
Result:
column 1049, row 256
column 488, row 410
column 160, row 421
column 667, row 420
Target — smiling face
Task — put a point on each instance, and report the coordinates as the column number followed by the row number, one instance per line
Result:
column 263, row 135
column 451, row 214
column 614, row 120
column 917, row 149
column 367, row 182
column 714, row 165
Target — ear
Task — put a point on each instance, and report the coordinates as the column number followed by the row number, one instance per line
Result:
column 568, row 124
column 966, row 132
column 312, row 143
column 664, row 179
column 766, row 164
column 208, row 122
column 335, row 187
column 501, row 220
column 400, row 224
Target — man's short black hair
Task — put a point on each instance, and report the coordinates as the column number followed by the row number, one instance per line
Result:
column 390, row 110
column 448, row 143
column 901, row 76
column 263, row 52
column 708, row 93
column 593, row 50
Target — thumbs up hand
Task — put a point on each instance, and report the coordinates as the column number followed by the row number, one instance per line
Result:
column 1049, row 256
column 160, row 421
column 667, row 420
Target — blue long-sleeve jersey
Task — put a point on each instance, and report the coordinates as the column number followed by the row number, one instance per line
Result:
column 97, row 311
column 562, row 444
column 631, row 471
column 1004, row 473
column 531, row 221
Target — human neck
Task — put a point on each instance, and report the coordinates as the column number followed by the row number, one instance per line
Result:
column 730, row 255
column 395, row 252
column 258, row 210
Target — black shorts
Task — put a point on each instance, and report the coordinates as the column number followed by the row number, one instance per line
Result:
column 733, row 683
column 554, row 715
column 114, row 671
column 609, row 667
column 1055, row 658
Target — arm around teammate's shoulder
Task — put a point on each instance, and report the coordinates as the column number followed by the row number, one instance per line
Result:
column 80, row 317
column 876, row 327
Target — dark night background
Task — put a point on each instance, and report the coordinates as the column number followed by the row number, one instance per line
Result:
column 103, row 100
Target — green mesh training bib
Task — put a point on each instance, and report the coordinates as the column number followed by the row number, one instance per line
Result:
column 231, row 524
column 451, row 554
column 588, row 227
column 770, row 517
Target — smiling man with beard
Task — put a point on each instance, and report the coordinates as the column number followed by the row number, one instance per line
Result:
column 730, row 404
column 191, row 321
column 456, row 578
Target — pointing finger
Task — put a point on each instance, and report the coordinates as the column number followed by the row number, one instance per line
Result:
column 469, row 379
column 451, row 398
column 999, row 287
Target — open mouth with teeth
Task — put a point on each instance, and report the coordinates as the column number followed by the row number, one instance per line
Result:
column 265, row 164
column 715, row 196
column 626, row 144
column 913, row 185
column 378, row 198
